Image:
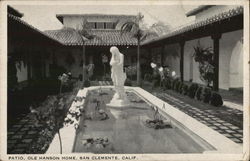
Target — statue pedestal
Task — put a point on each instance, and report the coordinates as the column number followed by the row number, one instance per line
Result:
column 119, row 99
column 119, row 103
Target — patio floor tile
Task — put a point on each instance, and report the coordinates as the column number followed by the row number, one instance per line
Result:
column 206, row 117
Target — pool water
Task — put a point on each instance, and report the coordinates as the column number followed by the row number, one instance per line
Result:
column 128, row 133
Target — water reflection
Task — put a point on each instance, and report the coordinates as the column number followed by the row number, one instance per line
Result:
column 127, row 133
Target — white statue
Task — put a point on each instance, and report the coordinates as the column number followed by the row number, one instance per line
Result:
column 118, row 77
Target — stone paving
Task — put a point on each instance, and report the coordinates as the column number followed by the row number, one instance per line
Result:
column 206, row 117
column 20, row 136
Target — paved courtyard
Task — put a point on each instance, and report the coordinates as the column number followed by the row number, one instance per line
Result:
column 207, row 117
column 22, row 134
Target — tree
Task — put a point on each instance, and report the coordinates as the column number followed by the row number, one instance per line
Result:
column 85, row 34
column 160, row 28
column 135, row 27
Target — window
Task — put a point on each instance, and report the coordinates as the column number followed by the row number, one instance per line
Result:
column 92, row 25
column 99, row 25
column 110, row 25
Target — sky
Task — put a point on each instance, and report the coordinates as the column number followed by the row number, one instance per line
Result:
column 43, row 17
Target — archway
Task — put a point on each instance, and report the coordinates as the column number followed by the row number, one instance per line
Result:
column 236, row 66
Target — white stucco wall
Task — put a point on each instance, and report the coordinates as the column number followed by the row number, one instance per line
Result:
column 22, row 75
column 231, row 65
column 76, row 21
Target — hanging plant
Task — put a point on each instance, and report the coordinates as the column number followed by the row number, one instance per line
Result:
column 204, row 56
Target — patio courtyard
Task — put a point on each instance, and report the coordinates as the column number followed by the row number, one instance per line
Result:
column 187, row 77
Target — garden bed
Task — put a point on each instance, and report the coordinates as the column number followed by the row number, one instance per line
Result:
column 46, row 132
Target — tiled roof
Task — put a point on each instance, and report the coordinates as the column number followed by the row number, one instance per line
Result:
column 100, row 37
column 198, row 10
column 17, row 19
column 14, row 12
column 111, row 37
column 66, row 36
column 60, row 16
column 199, row 24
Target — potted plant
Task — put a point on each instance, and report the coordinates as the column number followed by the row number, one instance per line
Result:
column 204, row 56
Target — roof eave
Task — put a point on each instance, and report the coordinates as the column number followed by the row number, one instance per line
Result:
column 17, row 19
column 209, row 21
column 60, row 18
column 14, row 12
column 198, row 10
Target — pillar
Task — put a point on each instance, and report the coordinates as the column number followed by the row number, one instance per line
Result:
column 182, row 43
column 84, row 74
column 216, row 43
column 162, row 55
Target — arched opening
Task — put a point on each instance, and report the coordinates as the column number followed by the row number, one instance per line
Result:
column 236, row 66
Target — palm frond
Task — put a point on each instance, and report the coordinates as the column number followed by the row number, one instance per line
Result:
column 148, row 34
column 85, row 30
column 128, row 26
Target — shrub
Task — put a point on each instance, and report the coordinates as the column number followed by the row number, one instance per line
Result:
column 177, row 85
column 180, row 89
column 128, row 82
column 198, row 94
column 107, row 79
column 156, row 79
column 164, row 83
column 86, row 83
column 80, row 77
column 49, row 117
column 173, row 84
column 131, row 72
column 206, row 95
column 148, row 77
column 216, row 99
column 168, row 83
column 185, row 89
column 192, row 90
column 156, row 82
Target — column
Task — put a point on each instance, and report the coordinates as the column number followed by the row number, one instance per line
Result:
column 162, row 55
column 216, row 43
column 84, row 75
column 182, row 43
